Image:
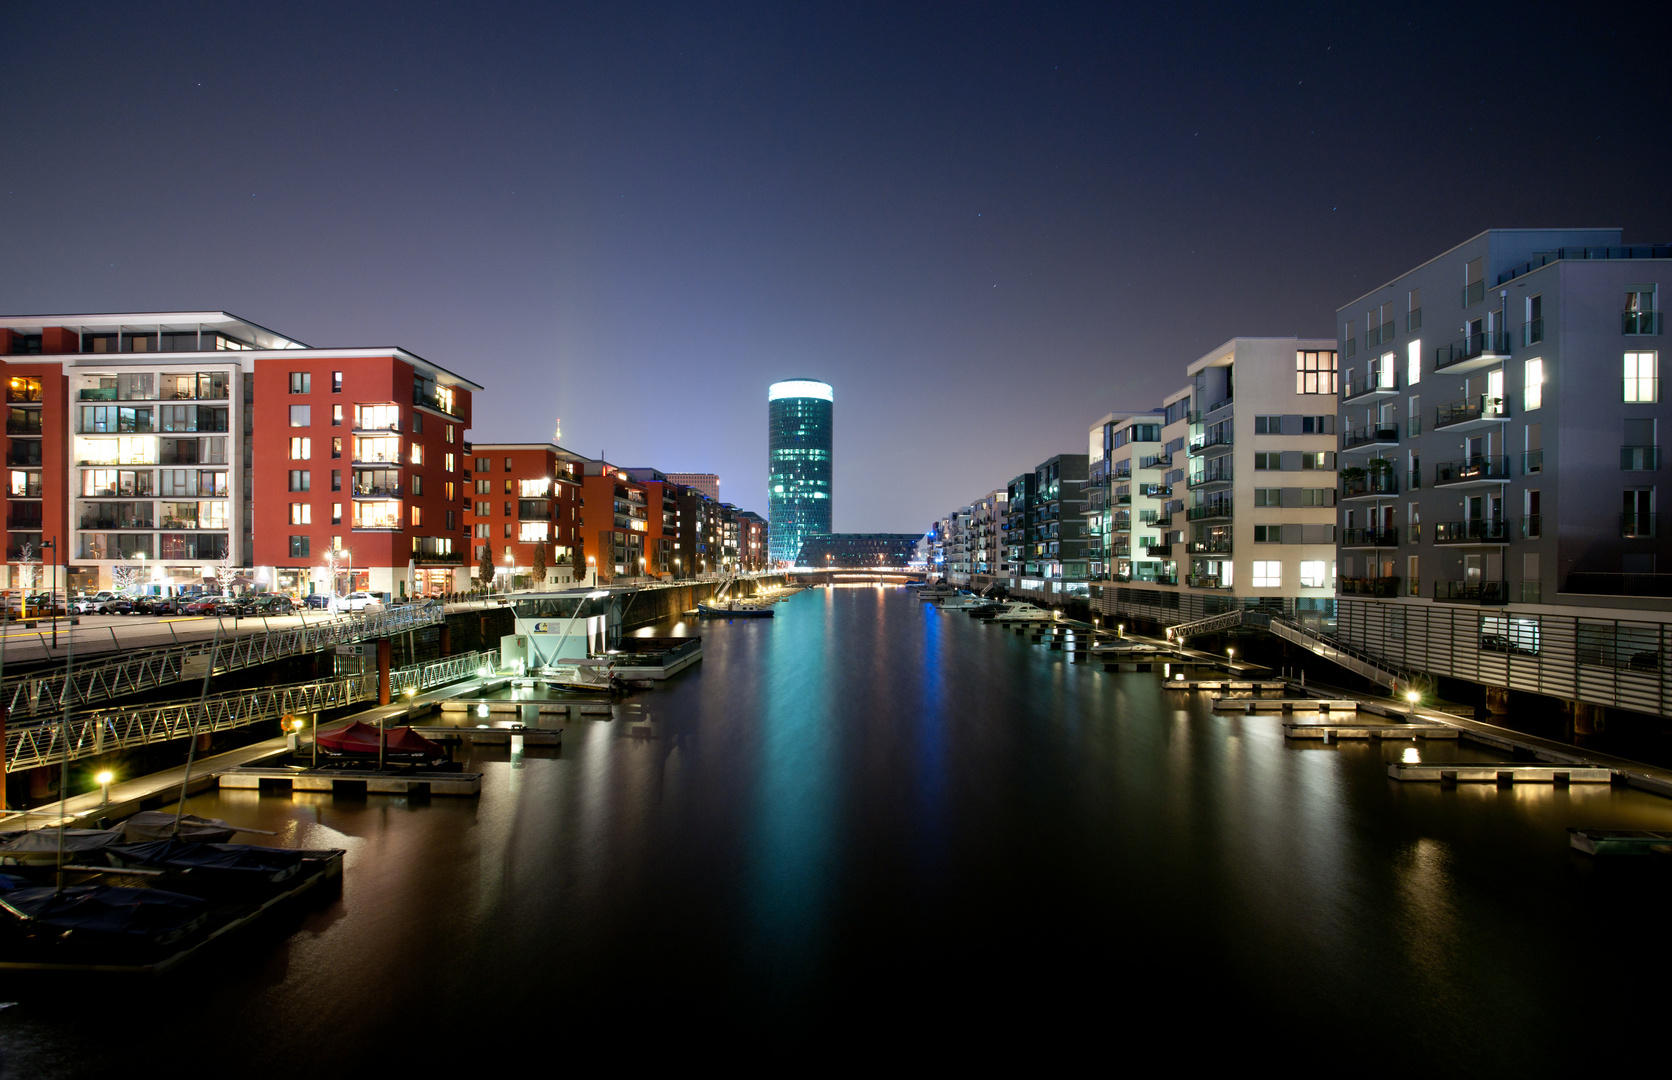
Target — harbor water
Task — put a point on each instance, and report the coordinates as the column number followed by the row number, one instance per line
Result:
column 866, row 827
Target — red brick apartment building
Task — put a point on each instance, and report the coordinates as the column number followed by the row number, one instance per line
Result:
column 179, row 445
column 522, row 496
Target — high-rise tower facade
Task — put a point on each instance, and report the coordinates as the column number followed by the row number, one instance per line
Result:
column 798, row 464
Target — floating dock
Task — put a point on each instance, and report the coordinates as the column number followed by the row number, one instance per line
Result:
column 1507, row 772
column 351, row 781
column 1251, row 704
column 1330, row 731
column 491, row 736
column 1225, row 684
column 1620, row 841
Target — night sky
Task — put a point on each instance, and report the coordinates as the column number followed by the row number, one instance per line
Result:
column 985, row 225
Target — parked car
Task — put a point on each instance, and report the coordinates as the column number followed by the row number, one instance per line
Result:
column 90, row 605
column 203, row 605
column 357, row 601
column 271, row 604
column 158, row 605
column 122, row 605
column 317, row 600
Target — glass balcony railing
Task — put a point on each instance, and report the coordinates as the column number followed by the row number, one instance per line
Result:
column 1468, row 410
column 1472, row 592
column 1472, row 469
column 1639, row 458
column 1388, row 537
column 1380, row 433
column 1472, row 531
column 1376, row 586
column 1488, row 343
column 1361, row 487
column 1640, row 322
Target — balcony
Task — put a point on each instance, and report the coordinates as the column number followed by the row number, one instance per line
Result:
column 1472, row 592
column 1471, row 415
column 1205, row 581
column 1637, row 526
column 1218, row 472
column 20, row 516
column 1640, row 322
column 1156, row 461
column 1209, row 547
column 1156, row 547
column 24, row 422
column 1122, row 470
column 1475, row 351
column 1378, row 384
column 1371, row 586
column 1224, row 403
column 1370, row 486
column 1639, row 458
column 1155, row 491
column 1533, row 332
column 1215, row 439
column 362, row 428
column 440, row 402
column 376, row 491
column 1218, row 508
column 1379, row 435
column 1472, row 531
column 1472, row 471
column 1370, row 538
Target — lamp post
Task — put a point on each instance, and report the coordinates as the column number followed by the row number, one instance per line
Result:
column 52, row 586
column 1412, row 697
column 104, row 780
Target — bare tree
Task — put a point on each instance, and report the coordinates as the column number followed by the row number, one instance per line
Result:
column 126, row 575
column 28, row 566
column 225, row 571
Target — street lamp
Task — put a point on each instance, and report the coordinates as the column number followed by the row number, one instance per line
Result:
column 1413, row 697
column 52, row 586
column 104, row 780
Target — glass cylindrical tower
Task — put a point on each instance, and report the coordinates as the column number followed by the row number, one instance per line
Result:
column 798, row 464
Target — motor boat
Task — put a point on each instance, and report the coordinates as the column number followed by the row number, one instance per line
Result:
column 393, row 745
column 937, row 592
column 41, row 847
column 735, row 609
column 967, row 603
column 1126, row 648
column 1022, row 612
column 584, row 676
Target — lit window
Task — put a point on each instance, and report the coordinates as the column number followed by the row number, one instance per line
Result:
column 1533, row 386
column 301, row 449
column 532, row 532
column 301, row 514
column 1268, row 575
column 1315, row 372
column 1413, row 361
column 336, row 416
column 1312, row 574
column 336, row 513
column 417, row 516
column 336, row 382
column 417, row 453
column 301, row 415
column 1640, row 377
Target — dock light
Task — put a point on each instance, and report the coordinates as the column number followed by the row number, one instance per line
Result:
column 1410, row 756
column 1120, row 629
column 482, row 672
column 104, row 780
column 1178, row 677
column 482, row 709
column 1413, row 697
column 296, row 725
column 1231, row 655
column 411, row 690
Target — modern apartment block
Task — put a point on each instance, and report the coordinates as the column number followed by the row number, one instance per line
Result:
column 986, row 543
column 523, row 496
column 1126, row 520
column 1052, row 563
column 707, row 483
column 1501, row 419
column 139, row 441
column 1243, row 484
column 616, row 518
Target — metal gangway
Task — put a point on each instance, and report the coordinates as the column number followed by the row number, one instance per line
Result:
column 1358, row 661
column 45, row 691
column 103, row 731
column 1223, row 621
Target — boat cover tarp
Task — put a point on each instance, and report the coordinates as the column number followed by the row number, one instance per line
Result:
column 360, row 740
column 274, row 863
column 107, row 909
column 159, row 825
column 45, row 841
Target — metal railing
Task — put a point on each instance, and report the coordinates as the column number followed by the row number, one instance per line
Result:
column 46, row 692
column 1484, row 343
column 1473, row 531
column 90, row 734
column 1358, row 661
column 1223, row 621
column 1483, row 407
column 1388, row 537
column 1479, row 467
column 1380, row 433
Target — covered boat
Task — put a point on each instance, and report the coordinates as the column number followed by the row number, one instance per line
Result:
column 231, row 862
column 400, row 745
column 735, row 609
column 40, row 847
column 159, row 825
column 115, row 914
column 595, row 676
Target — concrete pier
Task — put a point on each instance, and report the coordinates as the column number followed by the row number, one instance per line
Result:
column 1508, row 772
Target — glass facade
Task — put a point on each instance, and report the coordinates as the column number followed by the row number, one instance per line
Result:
column 798, row 464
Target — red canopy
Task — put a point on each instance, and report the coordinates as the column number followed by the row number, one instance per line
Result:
column 360, row 740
